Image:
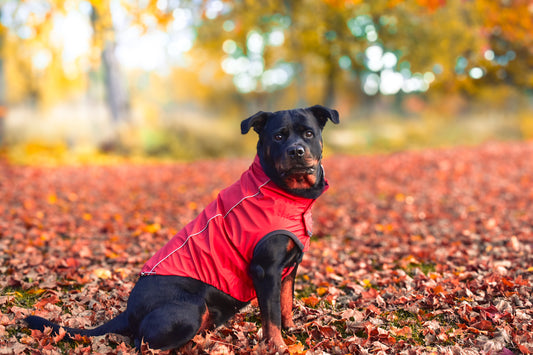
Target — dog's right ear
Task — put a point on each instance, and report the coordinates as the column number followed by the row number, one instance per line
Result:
column 256, row 121
column 323, row 114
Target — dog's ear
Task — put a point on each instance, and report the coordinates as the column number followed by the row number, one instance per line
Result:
column 256, row 121
column 323, row 114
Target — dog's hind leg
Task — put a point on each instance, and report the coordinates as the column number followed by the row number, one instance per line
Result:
column 171, row 326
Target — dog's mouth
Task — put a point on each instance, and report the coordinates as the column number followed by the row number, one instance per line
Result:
column 299, row 177
column 299, row 170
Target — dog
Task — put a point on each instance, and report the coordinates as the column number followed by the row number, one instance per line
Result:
column 247, row 243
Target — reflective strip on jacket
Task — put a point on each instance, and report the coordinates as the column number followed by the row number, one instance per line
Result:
column 218, row 245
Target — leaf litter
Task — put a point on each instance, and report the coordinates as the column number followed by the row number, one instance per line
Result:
column 426, row 252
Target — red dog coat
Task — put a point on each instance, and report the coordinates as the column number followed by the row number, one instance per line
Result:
column 218, row 245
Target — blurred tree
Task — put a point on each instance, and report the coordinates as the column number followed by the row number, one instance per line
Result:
column 267, row 46
column 320, row 37
column 282, row 51
column 114, row 79
column 3, row 102
column 33, row 66
column 40, row 61
column 319, row 41
column 507, row 28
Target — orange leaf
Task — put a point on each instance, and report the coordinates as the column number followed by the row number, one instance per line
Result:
column 321, row 291
column 61, row 334
column 71, row 262
column 311, row 301
column 374, row 309
column 507, row 282
column 438, row 290
column 524, row 349
column 297, row 349
column 26, row 340
column 403, row 332
column 81, row 338
column 152, row 228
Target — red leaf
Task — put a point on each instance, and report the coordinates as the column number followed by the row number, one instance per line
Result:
column 44, row 301
column 524, row 349
column 373, row 309
column 484, row 325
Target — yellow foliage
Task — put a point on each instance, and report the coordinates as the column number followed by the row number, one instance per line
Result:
column 343, row 3
column 52, row 199
column 297, row 349
column 526, row 124
column 152, row 228
column 102, row 273
column 426, row 34
column 367, row 283
column 321, row 291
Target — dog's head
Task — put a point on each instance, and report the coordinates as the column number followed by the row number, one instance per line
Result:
column 290, row 146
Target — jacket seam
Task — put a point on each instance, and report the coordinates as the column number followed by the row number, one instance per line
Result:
column 151, row 272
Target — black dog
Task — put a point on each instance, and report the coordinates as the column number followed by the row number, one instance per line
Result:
column 247, row 243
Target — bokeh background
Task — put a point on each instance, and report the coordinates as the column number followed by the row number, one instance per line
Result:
column 85, row 80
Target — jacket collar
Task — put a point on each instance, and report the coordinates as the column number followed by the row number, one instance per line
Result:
column 261, row 178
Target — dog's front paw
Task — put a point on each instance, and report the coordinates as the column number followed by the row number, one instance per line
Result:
column 288, row 324
column 271, row 348
column 276, row 347
column 272, row 344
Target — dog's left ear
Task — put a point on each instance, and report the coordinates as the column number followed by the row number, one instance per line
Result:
column 256, row 121
column 323, row 114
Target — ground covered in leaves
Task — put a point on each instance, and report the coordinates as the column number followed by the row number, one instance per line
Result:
column 419, row 252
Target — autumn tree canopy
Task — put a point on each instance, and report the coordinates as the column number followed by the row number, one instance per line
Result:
column 298, row 51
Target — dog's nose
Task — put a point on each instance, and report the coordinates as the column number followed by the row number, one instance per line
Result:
column 296, row 151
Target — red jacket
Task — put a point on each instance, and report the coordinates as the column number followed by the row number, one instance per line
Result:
column 217, row 246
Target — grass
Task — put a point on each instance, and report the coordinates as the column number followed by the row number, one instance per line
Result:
column 21, row 298
column 306, row 288
column 217, row 137
column 27, row 299
column 424, row 267
column 391, row 133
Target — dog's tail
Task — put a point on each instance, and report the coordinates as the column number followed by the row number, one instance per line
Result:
column 117, row 325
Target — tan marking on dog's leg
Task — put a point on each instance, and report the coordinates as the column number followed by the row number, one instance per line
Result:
column 206, row 321
column 272, row 337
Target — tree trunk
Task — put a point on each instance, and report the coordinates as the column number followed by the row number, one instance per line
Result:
column 117, row 97
column 291, row 7
column 116, row 91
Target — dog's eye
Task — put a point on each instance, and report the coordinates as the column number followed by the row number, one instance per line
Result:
column 309, row 134
column 278, row 137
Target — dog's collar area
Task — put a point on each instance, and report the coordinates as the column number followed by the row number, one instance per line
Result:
column 299, row 184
